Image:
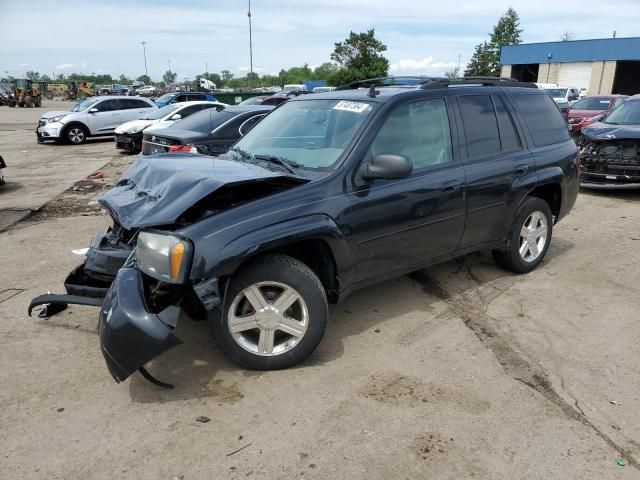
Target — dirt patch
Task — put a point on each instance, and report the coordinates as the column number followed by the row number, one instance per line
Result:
column 79, row 199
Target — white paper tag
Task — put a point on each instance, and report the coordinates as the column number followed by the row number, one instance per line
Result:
column 357, row 107
column 80, row 251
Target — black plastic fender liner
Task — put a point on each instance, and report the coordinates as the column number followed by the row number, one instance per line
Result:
column 130, row 335
column 59, row 300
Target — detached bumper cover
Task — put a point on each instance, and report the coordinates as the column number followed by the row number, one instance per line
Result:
column 130, row 335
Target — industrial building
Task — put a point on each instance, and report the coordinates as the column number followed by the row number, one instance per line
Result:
column 601, row 66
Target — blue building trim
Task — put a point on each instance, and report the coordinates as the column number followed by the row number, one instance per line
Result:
column 574, row 51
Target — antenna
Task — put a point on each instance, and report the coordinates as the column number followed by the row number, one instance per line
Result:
column 373, row 92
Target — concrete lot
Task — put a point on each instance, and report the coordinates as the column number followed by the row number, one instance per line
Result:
column 459, row 371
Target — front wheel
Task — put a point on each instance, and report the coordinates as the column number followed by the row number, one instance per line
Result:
column 274, row 314
column 529, row 237
column 75, row 135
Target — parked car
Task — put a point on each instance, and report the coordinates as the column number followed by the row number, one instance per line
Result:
column 564, row 97
column 178, row 97
column 147, row 91
column 129, row 135
column 264, row 100
column 610, row 149
column 92, row 117
column 3, row 165
column 591, row 109
column 329, row 193
column 208, row 132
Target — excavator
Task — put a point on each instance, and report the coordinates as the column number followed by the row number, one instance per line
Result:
column 26, row 94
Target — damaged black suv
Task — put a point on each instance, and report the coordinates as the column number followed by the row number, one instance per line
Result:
column 328, row 193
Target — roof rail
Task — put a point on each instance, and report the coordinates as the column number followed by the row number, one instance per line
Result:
column 406, row 80
column 481, row 81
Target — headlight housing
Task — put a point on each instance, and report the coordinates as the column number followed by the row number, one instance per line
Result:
column 56, row 119
column 164, row 257
column 138, row 128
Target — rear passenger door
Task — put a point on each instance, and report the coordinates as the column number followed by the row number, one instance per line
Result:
column 133, row 109
column 495, row 162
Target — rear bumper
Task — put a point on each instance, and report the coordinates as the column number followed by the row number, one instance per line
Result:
column 130, row 335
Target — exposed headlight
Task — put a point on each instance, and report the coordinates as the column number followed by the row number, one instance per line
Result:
column 163, row 257
column 56, row 119
column 138, row 128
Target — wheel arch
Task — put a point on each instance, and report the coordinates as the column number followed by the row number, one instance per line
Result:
column 77, row 123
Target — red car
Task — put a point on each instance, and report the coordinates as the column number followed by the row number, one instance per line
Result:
column 583, row 112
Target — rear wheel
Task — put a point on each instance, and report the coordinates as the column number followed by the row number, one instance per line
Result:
column 75, row 134
column 529, row 237
column 38, row 101
column 274, row 314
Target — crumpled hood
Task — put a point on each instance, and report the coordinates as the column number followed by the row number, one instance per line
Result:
column 605, row 131
column 48, row 115
column 157, row 189
column 134, row 123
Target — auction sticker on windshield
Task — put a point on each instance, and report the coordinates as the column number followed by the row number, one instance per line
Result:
column 357, row 107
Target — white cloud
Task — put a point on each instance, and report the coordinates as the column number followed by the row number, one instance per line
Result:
column 23, row 65
column 64, row 66
column 424, row 65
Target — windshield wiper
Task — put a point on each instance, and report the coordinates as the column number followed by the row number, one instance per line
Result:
column 289, row 165
column 242, row 153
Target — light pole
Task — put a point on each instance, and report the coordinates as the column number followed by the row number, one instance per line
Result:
column 144, row 52
column 250, row 48
column 169, row 62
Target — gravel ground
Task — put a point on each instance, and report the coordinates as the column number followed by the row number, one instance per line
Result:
column 458, row 371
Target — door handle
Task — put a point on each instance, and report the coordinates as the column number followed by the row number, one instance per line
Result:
column 451, row 186
column 524, row 168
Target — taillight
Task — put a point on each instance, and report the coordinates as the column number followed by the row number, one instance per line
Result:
column 182, row 148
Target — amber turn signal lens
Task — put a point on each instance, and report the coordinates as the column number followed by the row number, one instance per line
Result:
column 177, row 254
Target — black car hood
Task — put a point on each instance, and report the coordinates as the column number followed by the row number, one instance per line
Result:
column 156, row 190
column 176, row 134
column 605, row 131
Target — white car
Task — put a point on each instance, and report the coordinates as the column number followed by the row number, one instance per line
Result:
column 92, row 117
column 129, row 135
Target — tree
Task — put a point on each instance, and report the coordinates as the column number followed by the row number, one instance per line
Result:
column 322, row 72
column 479, row 63
column 169, row 77
column 506, row 32
column 213, row 77
column 226, row 76
column 31, row 75
column 124, row 79
column 359, row 57
column 567, row 36
column 146, row 79
column 453, row 73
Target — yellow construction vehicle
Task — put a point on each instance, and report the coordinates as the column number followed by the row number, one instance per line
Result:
column 81, row 91
column 26, row 94
column 56, row 90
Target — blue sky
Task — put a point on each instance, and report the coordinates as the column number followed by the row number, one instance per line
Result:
column 422, row 36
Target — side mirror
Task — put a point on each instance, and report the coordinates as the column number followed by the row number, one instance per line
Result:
column 177, row 116
column 93, row 110
column 387, row 166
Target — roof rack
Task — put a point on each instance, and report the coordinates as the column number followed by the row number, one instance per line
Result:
column 480, row 81
column 392, row 81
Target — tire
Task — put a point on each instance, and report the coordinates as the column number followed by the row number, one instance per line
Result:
column 75, row 134
column 28, row 101
column 533, row 225
column 38, row 101
column 262, row 345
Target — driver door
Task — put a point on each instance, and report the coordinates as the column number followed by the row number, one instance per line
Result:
column 106, row 119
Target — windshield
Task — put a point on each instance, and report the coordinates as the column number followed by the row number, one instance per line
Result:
column 312, row 133
column 557, row 92
column 593, row 103
column 626, row 114
column 161, row 112
column 165, row 98
column 83, row 105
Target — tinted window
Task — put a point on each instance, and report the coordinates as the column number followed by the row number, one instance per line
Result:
column 204, row 121
column 108, row 105
column 509, row 139
column 190, row 110
column 419, row 131
column 545, row 122
column 480, row 125
column 127, row 104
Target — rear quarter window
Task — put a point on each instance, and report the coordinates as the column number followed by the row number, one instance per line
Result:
column 545, row 122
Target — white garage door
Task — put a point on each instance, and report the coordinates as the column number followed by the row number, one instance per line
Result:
column 576, row 74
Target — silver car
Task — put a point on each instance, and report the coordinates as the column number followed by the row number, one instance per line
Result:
column 92, row 117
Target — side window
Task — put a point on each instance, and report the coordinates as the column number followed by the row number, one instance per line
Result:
column 139, row 104
column 249, row 124
column 419, row 131
column 108, row 105
column 185, row 112
column 480, row 125
column 509, row 138
column 545, row 122
column 178, row 98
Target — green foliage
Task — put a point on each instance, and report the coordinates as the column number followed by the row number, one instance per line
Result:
column 453, row 73
column 31, row 75
column 359, row 57
column 226, row 76
column 213, row 77
column 486, row 57
column 146, row 79
column 169, row 77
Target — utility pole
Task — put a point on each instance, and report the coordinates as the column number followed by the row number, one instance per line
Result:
column 250, row 48
column 169, row 63
column 144, row 52
column 459, row 63
column 206, row 67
